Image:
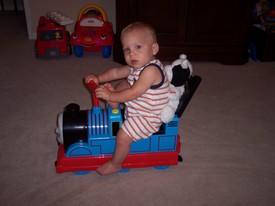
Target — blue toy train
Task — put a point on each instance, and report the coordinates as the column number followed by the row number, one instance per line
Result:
column 87, row 137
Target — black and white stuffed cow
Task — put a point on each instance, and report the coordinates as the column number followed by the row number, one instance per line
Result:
column 178, row 73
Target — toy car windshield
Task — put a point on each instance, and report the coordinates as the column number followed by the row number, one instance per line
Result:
column 91, row 22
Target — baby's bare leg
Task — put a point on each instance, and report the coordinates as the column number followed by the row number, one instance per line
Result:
column 123, row 84
column 122, row 149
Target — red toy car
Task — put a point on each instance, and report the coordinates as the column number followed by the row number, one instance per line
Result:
column 52, row 39
column 92, row 32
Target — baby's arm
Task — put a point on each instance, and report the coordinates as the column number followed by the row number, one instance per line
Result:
column 109, row 75
column 150, row 76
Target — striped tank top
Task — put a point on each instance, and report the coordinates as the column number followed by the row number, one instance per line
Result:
column 151, row 103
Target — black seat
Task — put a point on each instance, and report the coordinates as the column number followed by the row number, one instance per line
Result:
column 190, row 88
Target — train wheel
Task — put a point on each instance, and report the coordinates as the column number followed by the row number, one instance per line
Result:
column 161, row 167
column 81, row 173
column 78, row 149
column 124, row 170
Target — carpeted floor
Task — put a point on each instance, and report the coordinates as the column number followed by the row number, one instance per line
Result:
column 227, row 134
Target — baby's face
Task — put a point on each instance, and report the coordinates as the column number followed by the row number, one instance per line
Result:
column 138, row 47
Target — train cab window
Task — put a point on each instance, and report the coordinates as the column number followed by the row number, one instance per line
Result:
column 115, row 128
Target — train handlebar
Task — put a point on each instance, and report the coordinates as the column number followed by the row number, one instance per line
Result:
column 92, row 86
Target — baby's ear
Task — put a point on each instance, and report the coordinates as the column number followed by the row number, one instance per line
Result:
column 155, row 48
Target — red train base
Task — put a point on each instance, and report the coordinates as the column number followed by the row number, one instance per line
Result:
column 82, row 165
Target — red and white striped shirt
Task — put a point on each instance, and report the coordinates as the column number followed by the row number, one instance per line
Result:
column 142, row 115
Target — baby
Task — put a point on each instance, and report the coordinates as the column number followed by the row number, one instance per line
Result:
column 144, row 90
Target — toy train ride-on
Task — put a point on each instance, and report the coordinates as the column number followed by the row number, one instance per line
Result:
column 87, row 137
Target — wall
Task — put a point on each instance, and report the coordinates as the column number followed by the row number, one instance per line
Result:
column 36, row 8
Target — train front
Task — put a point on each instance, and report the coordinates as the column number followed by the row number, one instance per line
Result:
column 85, row 132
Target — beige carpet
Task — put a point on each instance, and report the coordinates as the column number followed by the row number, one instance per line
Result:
column 227, row 134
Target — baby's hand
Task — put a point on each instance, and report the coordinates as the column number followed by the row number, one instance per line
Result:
column 111, row 103
column 91, row 78
column 103, row 92
column 109, row 86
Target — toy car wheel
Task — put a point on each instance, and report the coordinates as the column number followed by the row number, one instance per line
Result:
column 78, row 51
column 106, row 51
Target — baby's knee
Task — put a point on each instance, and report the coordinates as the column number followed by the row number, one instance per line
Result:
column 123, row 138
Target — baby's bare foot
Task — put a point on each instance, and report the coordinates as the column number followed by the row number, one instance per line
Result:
column 108, row 168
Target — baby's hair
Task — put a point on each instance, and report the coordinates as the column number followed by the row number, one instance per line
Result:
column 140, row 25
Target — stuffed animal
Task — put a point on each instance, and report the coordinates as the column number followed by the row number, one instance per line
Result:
column 178, row 73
